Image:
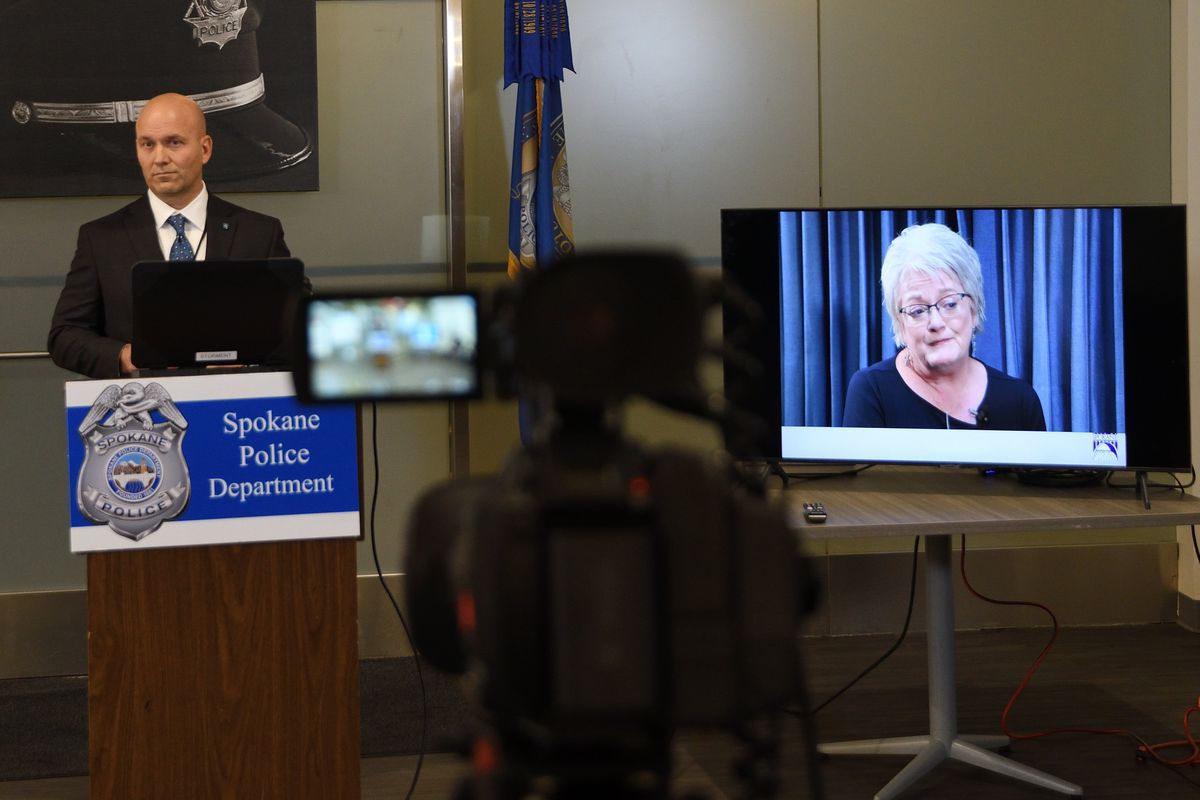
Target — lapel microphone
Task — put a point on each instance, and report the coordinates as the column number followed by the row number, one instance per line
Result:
column 200, row 244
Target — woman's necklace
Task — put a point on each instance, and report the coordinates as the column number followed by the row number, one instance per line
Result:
column 940, row 398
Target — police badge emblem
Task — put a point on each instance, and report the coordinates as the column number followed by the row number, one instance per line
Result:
column 133, row 476
column 215, row 21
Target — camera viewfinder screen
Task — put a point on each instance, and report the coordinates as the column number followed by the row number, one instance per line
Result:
column 416, row 346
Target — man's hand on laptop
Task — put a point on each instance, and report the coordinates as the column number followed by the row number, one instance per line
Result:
column 127, row 367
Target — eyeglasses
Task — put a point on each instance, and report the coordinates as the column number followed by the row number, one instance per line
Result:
column 949, row 307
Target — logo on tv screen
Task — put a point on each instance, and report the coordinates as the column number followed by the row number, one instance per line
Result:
column 1105, row 448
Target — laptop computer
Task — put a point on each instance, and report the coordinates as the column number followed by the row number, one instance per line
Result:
column 196, row 314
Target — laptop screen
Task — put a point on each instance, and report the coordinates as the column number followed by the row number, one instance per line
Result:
column 205, row 313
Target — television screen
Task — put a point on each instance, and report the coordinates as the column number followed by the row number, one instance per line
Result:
column 1023, row 337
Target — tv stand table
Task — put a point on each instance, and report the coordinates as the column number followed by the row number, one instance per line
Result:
column 937, row 504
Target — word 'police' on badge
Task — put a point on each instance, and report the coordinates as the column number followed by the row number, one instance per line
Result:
column 215, row 21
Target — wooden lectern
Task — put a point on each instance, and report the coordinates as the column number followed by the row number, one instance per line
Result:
column 218, row 667
column 224, row 672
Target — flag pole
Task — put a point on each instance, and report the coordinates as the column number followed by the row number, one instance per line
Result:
column 456, row 237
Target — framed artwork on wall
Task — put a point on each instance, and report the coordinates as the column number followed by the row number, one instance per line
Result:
column 74, row 75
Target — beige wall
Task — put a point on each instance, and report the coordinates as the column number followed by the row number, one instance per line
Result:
column 1005, row 102
column 679, row 108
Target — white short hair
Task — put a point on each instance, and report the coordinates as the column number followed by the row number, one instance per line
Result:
column 927, row 250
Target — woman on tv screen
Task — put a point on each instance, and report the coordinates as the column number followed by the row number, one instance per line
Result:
column 932, row 287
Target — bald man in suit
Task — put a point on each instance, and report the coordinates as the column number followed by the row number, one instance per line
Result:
column 93, row 321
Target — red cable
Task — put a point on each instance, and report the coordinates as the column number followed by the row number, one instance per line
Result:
column 1190, row 741
column 1144, row 747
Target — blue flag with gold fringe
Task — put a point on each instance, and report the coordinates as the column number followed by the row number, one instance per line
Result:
column 537, row 48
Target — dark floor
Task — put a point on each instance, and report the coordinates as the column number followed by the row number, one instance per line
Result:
column 1136, row 678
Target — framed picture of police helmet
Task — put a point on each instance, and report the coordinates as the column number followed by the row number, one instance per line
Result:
column 74, row 74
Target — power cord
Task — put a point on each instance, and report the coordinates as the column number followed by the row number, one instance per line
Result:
column 1177, row 485
column 816, row 476
column 396, row 606
column 1040, row 476
column 912, row 592
column 1144, row 749
column 808, row 729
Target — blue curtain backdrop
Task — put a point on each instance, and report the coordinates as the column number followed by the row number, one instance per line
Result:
column 1052, row 280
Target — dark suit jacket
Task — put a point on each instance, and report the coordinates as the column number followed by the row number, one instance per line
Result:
column 94, row 316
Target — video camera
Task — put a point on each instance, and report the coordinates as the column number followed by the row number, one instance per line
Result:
column 601, row 594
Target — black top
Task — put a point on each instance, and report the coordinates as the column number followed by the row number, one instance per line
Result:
column 878, row 397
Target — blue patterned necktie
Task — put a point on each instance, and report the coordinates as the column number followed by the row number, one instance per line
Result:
column 181, row 249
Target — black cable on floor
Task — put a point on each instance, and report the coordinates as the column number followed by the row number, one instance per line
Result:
column 808, row 728
column 396, row 606
column 912, row 593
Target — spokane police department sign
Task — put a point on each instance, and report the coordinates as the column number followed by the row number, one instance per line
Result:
column 210, row 459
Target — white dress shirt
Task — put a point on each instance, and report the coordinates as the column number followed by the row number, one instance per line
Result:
column 195, row 215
